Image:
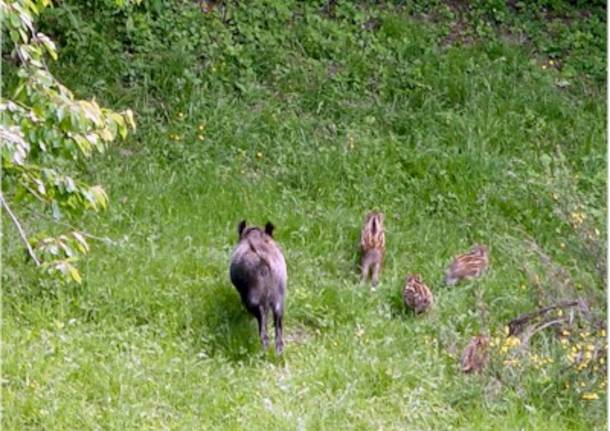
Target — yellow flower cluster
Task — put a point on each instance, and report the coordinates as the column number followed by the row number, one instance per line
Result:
column 513, row 362
column 201, row 129
column 510, row 343
column 590, row 396
column 584, row 350
column 540, row 360
column 581, row 354
column 200, row 133
column 577, row 218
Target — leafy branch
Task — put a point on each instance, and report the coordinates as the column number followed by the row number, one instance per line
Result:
column 45, row 132
column 22, row 233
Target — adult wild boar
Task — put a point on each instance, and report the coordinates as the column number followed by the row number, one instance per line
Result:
column 258, row 272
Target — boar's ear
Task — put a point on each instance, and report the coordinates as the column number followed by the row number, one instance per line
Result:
column 269, row 229
column 240, row 227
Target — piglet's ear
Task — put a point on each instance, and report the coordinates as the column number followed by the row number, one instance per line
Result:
column 269, row 228
column 240, row 227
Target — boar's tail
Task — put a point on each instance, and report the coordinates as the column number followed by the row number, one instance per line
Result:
column 260, row 254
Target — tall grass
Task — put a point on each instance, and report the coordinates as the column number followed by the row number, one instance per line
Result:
column 283, row 113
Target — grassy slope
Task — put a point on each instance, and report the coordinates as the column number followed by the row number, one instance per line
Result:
column 325, row 122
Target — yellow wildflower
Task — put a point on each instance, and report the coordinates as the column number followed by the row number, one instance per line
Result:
column 510, row 343
column 590, row 396
column 510, row 362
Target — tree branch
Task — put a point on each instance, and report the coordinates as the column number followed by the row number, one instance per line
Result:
column 517, row 325
column 22, row 234
column 105, row 239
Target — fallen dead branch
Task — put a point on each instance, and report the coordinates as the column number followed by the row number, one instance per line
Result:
column 520, row 323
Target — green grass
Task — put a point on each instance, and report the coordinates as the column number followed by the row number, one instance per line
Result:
column 310, row 125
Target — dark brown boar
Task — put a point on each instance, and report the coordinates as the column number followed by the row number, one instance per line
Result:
column 258, row 272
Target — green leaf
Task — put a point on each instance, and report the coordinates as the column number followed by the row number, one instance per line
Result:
column 129, row 117
column 92, row 112
column 119, row 123
column 100, row 196
column 81, row 243
column 75, row 274
column 48, row 44
column 83, row 144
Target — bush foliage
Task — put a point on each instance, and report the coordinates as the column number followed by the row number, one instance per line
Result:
column 464, row 122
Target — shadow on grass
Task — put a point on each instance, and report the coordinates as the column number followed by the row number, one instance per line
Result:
column 224, row 328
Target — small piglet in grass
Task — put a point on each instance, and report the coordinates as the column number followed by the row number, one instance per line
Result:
column 372, row 246
column 258, row 272
column 467, row 266
column 417, row 294
column 475, row 355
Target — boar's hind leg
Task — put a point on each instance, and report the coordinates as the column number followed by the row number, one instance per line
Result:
column 366, row 269
column 277, row 320
column 376, row 271
column 261, row 317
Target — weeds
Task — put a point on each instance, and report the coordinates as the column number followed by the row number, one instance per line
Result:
column 310, row 117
